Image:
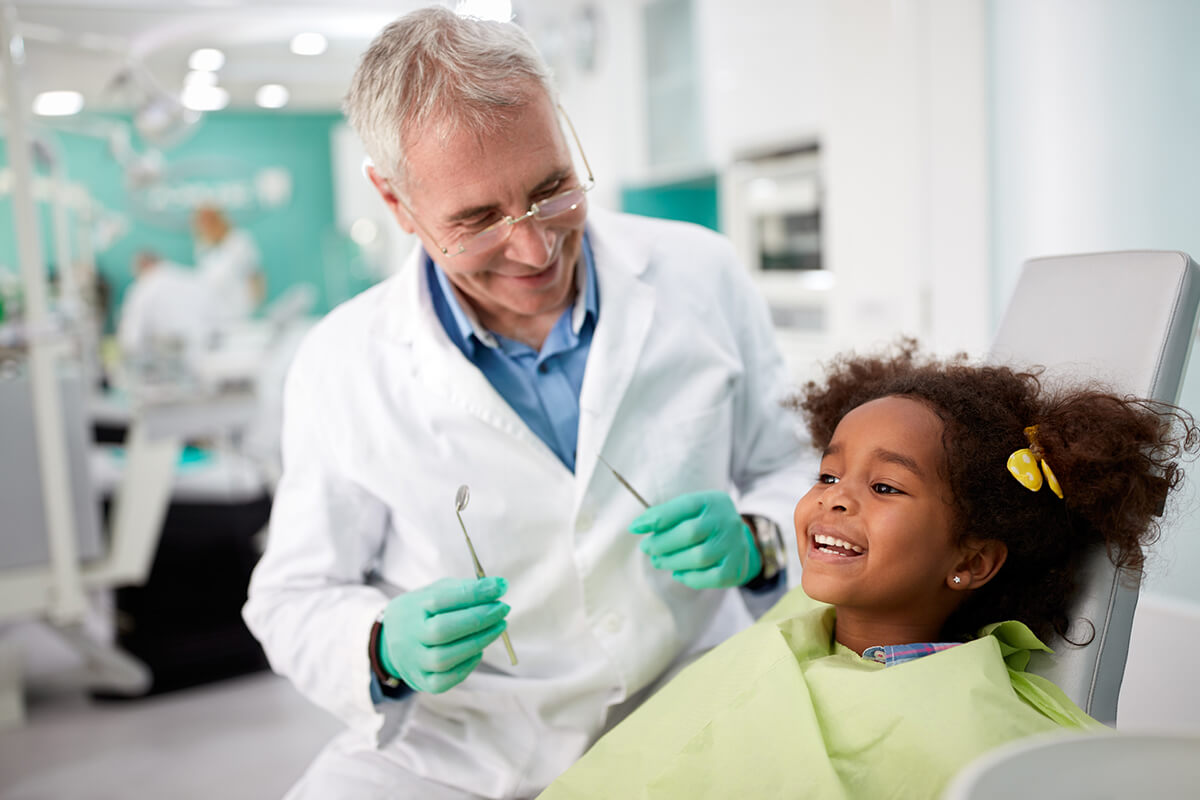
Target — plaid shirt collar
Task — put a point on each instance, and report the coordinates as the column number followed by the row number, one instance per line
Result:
column 892, row 654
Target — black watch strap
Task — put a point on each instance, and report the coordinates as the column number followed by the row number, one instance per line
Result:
column 389, row 684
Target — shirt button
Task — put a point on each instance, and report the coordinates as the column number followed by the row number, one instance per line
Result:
column 612, row 622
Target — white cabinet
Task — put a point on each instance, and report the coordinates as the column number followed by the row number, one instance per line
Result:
column 772, row 211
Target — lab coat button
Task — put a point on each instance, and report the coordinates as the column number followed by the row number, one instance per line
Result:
column 583, row 523
column 612, row 622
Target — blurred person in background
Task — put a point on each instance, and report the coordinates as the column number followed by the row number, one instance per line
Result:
column 227, row 260
column 166, row 308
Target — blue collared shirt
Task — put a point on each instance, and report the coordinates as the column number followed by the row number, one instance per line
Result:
column 541, row 386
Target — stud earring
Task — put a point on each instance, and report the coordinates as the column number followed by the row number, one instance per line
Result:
column 957, row 579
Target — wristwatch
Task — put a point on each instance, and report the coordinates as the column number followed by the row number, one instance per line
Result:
column 769, row 540
column 389, row 685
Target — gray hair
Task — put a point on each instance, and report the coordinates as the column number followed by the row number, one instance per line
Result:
column 435, row 70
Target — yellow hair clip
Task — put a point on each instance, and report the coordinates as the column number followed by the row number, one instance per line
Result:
column 1023, row 464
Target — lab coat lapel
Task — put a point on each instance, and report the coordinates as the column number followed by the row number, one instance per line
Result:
column 626, row 314
column 440, row 365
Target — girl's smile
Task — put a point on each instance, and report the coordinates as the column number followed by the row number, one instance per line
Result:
column 829, row 543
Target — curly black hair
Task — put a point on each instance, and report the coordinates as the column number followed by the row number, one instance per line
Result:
column 1116, row 459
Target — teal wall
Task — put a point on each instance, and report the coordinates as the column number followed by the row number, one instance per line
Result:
column 695, row 200
column 298, row 239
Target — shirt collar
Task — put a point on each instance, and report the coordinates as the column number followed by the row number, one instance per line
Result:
column 892, row 654
column 467, row 321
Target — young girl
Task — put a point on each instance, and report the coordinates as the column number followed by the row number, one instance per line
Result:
column 940, row 545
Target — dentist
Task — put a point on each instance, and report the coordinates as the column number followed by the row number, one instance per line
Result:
column 527, row 336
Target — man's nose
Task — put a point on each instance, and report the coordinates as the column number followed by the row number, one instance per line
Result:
column 531, row 242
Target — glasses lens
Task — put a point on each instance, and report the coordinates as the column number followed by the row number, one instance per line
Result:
column 569, row 200
column 488, row 237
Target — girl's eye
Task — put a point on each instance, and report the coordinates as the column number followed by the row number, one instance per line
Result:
column 827, row 478
column 883, row 488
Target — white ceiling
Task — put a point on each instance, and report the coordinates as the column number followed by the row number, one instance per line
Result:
column 84, row 44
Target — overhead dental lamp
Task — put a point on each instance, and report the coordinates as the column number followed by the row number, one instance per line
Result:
column 159, row 117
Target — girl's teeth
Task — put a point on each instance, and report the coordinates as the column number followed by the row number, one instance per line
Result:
column 833, row 541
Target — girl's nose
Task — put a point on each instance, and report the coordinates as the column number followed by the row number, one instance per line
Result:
column 837, row 498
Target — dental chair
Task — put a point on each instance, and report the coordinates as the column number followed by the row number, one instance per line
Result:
column 1125, row 319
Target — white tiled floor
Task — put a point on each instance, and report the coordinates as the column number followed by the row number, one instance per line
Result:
column 249, row 737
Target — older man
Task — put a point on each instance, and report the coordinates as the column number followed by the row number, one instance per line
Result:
column 526, row 340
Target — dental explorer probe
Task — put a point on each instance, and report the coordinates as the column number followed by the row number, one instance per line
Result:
column 621, row 479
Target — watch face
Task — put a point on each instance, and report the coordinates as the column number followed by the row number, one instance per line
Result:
column 770, row 545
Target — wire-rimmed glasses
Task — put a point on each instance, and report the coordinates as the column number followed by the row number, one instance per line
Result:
column 499, row 232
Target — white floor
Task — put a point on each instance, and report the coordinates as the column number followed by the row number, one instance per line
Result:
column 248, row 737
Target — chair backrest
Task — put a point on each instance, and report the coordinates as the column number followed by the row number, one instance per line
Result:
column 1125, row 319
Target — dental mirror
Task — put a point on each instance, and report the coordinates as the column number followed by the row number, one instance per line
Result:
column 461, row 498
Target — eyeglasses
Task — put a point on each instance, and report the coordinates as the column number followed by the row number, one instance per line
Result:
column 499, row 232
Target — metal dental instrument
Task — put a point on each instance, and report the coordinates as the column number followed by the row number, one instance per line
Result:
column 461, row 498
column 620, row 478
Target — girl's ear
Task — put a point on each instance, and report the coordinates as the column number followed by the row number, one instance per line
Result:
column 981, row 559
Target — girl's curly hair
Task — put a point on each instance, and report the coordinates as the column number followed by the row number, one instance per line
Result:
column 1116, row 459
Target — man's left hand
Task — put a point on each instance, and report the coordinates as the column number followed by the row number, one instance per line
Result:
column 701, row 539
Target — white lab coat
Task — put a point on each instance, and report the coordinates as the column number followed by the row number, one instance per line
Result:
column 167, row 307
column 383, row 420
column 229, row 267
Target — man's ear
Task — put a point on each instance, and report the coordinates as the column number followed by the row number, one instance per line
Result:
column 391, row 199
column 981, row 560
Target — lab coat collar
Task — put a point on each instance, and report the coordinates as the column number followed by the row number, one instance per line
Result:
column 618, row 341
column 406, row 317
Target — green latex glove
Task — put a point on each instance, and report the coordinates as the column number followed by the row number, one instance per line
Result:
column 701, row 539
column 433, row 637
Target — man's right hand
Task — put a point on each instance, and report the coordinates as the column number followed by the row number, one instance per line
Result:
column 433, row 637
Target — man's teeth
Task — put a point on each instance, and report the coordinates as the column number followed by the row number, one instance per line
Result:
column 833, row 541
